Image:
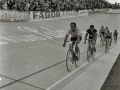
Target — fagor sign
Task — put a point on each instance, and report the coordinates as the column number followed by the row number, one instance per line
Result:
column 44, row 15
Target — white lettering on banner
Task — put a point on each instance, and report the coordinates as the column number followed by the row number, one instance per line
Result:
column 28, row 29
column 113, row 11
column 74, row 13
column 44, row 15
column 11, row 15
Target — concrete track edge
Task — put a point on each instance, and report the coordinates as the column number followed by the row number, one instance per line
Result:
column 94, row 77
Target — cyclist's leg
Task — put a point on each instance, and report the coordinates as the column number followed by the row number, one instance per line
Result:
column 73, row 53
column 89, row 44
column 116, row 37
column 109, row 41
column 102, row 37
column 93, row 44
column 76, row 46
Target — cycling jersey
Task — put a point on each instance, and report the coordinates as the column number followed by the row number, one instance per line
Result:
column 102, row 31
column 91, row 33
column 108, row 35
column 116, row 33
column 74, row 34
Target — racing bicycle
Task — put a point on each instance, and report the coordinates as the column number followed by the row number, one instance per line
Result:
column 72, row 57
column 107, row 45
column 91, row 50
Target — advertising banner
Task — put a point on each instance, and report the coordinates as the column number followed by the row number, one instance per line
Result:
column 57, row 14
column 44, row 15
column 97, row 11
column 113, row 11
column 13, row 16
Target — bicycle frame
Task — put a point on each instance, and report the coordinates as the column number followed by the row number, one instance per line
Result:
column 90, row 49
column 107, row 45
column 73, row 58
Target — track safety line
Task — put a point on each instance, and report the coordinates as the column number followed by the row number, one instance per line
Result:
column 55, row 84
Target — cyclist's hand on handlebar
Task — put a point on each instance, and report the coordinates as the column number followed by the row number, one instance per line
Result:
column 64, row 45
column 85, row 42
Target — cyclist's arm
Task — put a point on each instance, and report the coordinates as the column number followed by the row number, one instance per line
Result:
column 65, row 39
column 99, row 32
column 95, row 36
column 86, row 37
column 79, row 38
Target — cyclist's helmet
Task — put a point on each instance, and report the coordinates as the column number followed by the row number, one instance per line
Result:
column 73, row 23
column 91, row 26
column 102, row 26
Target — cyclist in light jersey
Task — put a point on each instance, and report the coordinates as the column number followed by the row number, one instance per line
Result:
column 76, row 35
column 102, row 31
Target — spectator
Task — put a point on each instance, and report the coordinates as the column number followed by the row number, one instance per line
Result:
column 4, row 6
column 27, row 6
column 14, row 7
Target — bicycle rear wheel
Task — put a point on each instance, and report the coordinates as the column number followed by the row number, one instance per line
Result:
column 93, row 53
column 77, row 61
column 107, row 48
column 69, row 60
column 88, row 54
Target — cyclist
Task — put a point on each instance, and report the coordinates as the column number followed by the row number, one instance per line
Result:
column 92, row 32
column 108, row 37
column 76, row 37
column 115, row 34
column 102, row 33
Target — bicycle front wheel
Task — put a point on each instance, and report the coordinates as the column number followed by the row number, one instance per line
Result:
column 88, row 54
column 77, row 61
column 69, row 60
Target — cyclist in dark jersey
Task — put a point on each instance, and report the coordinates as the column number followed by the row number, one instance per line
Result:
column 92, row 32
column 108, row 36
column 115, row 34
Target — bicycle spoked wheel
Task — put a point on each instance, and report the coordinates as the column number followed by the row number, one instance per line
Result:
column 93, row 53
column 77, row 61
column 69, row 60
column 107, row 48
column 88, row 54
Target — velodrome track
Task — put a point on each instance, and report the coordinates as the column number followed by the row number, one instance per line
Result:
column 32, row 56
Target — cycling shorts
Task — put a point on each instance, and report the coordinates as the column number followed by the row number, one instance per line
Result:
column 103, row 33
column 109, row 37
column 75, row 38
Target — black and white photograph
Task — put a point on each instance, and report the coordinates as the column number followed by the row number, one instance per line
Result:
column 59, row 44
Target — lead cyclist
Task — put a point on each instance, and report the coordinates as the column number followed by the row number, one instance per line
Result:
column 76, row 37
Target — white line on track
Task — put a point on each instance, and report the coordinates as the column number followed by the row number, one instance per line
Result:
column 49, row 88
column 65, row 77
column 3, row 43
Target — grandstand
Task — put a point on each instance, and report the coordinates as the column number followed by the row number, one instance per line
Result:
column 56, row 5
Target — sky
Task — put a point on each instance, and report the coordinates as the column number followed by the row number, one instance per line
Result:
column 113, row 1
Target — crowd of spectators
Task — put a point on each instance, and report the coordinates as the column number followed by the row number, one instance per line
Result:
column 55, row 5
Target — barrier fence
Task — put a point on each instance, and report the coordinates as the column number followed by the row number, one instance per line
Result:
column 12, row 15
